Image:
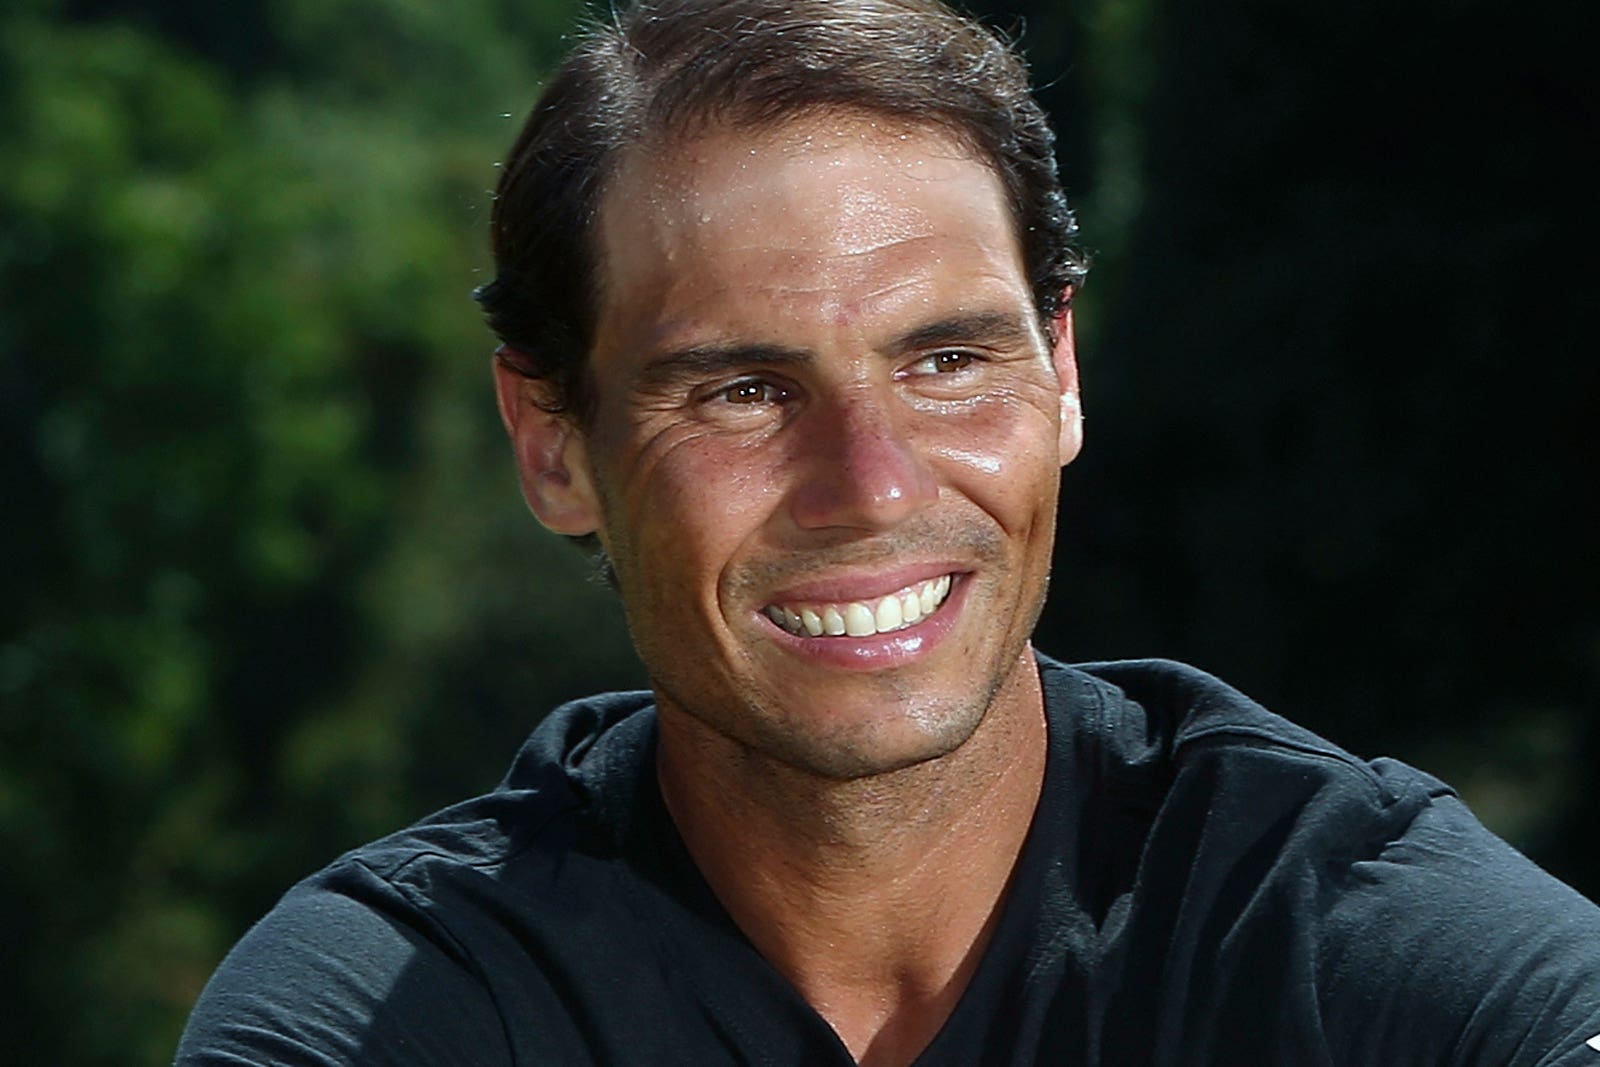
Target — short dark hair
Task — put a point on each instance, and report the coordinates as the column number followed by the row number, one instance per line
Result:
column 663, row 66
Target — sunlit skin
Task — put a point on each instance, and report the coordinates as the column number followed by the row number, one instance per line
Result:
column 821, row 377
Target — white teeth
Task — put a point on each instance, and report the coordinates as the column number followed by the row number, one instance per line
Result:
column 888, row 616
column 858, row 620
column 910, row 606
column 864, row 618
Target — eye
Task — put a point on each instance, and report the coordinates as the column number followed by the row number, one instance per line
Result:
column 947, row 362
column 751, row 391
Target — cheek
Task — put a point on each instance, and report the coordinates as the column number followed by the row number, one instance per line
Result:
column 693, row 503
column 1004, row 456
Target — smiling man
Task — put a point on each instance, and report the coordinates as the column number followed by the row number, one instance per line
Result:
column 784, row 290
column 825, row 399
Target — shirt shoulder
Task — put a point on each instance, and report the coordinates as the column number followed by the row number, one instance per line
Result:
column 1163, row 736
column 1336, row 909
column 397, row 951
column 1450, row 941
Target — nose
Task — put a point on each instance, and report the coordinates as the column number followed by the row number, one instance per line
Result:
column 859, row 468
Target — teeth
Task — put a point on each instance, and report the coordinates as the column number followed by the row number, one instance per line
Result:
column 887, row 615
column 910, row 606
column 859, row 618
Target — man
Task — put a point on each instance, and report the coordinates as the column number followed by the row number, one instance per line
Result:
column 785, row 292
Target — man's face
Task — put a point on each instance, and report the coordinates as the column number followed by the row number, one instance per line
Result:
column 824, row 402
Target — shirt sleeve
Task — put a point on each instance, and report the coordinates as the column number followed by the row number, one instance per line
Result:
column 344, row 972
column 1452, row 948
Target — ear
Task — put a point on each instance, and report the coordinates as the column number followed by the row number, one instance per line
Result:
column 1064, row 353
column 552, row 459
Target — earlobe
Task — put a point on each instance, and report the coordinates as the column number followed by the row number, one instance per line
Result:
column 1065, row 356
column 552, row 459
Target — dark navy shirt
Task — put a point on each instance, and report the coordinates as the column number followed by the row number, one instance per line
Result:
column 1204, row 883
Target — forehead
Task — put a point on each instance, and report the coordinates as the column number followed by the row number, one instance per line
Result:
column 815, row 214
column 729, row 166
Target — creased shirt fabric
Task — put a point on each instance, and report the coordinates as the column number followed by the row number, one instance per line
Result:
column 1203, row 883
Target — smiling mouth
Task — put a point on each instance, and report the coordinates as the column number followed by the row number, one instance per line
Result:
column 863, row 618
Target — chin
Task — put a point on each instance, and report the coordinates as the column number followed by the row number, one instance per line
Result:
column 868, row 743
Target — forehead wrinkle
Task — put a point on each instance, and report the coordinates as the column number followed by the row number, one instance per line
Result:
column 814, row 256
column 824, row 288
column 860, row 202
column 808, row 272
column 807, row 289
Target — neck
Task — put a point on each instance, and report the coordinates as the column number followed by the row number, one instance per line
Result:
column 874, row 896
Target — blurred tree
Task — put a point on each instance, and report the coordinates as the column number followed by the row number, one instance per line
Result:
column 248, row 449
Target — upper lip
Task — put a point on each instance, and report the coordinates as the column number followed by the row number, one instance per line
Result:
column 867, row 585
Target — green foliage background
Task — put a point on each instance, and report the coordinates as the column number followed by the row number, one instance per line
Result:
column 270, row 590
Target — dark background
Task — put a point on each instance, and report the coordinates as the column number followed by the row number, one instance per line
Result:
column 269, row 589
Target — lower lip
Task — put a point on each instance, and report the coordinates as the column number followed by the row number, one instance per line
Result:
column 880, row 651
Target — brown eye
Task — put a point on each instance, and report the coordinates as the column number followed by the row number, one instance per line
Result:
column 751, row 391
column 945, row 362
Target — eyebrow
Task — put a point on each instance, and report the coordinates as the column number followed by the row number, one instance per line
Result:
column 695, row 362
column 1002, row 328
column 708, row 361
